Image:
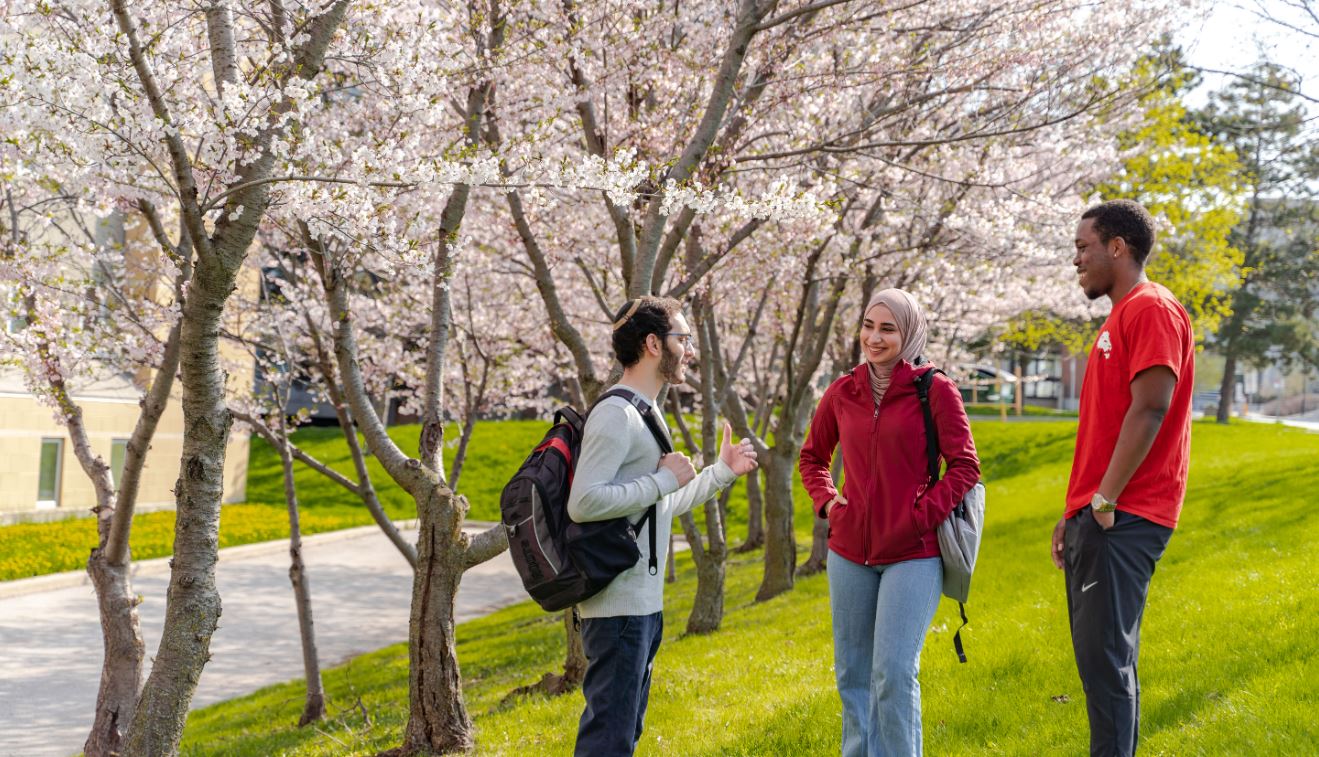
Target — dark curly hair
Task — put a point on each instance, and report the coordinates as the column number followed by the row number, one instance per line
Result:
column 638, row 319
column 1127, row 219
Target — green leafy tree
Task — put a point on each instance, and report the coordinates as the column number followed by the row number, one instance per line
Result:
column 1261, row 116
column 1188, row 178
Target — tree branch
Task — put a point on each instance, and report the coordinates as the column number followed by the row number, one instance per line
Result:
column 802, row 11
column 187, row 184
column 220, row 33
column 749, row 14
column 485, row 545
column 406, row 471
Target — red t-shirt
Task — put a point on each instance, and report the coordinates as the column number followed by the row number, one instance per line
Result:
column 1148, row 328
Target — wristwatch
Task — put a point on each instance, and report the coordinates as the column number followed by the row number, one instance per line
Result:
column 1101, row 504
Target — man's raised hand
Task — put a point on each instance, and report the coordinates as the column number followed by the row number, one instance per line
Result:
column 741, row 457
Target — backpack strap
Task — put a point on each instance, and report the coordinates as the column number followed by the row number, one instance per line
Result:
column 923, row 383
column 647, row 412
column 570, row 415
column 932, row 454
column 957, row 635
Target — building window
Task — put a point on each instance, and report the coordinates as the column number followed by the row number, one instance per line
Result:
column 12, row 310
column 118, row 451
column 48, row 483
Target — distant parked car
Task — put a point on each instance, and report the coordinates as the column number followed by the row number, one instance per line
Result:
column 984, row 383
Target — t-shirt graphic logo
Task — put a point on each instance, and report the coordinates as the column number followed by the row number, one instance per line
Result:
column 1105, row 344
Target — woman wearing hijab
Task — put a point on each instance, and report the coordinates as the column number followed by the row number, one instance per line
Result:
column 885, row 574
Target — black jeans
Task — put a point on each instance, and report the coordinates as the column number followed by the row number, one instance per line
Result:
column 619, row 656
column 1108, row 578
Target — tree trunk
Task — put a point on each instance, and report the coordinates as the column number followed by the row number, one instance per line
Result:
column 1227, row 389
column 820, row 531
column 780, row 539
column 708, row 610
column 574, row 664
column 437, row 716
column 819, row 549
column 755, row 515
column 711, row 567
column 671, row 567
column 192, row 609
column 314, row 708
column 121, row 668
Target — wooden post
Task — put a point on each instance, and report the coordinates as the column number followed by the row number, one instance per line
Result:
column 1002, row 406
column 1018, row 395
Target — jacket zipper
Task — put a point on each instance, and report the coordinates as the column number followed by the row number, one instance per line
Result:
column 874, row 445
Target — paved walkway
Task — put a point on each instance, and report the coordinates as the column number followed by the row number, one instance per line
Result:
column 50, row 641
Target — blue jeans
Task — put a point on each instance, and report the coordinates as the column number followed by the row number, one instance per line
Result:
column 620, row 653
column 880, row 616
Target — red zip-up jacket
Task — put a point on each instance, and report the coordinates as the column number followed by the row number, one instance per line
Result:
column 891, row 511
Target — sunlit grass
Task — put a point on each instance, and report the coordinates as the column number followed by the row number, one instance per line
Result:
column 1227, row 666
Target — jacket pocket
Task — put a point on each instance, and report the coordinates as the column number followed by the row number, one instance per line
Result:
column 918, row 515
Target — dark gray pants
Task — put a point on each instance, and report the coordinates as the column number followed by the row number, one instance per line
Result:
column 1108, row 578
column 619, row 655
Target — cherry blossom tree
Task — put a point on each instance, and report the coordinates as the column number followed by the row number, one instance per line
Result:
column 773, row 161
column 119, row 96
column 95, row 304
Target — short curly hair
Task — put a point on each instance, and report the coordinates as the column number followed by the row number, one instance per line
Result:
column 638, row 319
column 1127, row 219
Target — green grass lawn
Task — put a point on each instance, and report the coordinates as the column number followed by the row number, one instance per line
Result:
column 34, row 549
column 1033, row 411
column 1227, row 666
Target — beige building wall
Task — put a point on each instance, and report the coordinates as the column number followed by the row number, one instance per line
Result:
column 111, row 409
column 110, row 413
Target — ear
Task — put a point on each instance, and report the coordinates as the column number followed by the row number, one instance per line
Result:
column 1120, row 248
column 654, row 345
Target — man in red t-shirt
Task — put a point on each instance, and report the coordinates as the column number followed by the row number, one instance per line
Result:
column 1129, row 473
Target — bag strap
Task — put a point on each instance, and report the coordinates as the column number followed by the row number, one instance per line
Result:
column 647, row 412
column 923, row 383
column 932, row 453
column 570, row 415
column 957, row 635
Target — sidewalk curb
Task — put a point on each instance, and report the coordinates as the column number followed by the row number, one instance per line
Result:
column 50, row 582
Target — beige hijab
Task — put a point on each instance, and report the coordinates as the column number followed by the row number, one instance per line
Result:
column 911, row 325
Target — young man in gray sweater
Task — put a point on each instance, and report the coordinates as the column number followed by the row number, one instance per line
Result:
column 621, row 473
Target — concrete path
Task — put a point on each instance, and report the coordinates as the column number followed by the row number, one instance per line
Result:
column 50, row 641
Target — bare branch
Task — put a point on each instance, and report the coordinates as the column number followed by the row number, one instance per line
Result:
column 1257, row 82
column 707, row 262
column 407, row 471
column 784, row 18
column 187, row 184
column 595, row 288
column 749, row 14
column 485, row 545
column 321, row 468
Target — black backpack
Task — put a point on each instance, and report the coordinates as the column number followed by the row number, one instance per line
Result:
column 562, row 562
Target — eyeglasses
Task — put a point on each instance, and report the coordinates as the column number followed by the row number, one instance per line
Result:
column 685, row 339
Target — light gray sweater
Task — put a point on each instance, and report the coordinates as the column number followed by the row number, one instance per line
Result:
column 616, row 476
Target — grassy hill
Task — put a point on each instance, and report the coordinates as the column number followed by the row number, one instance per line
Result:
column 1228, row 662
